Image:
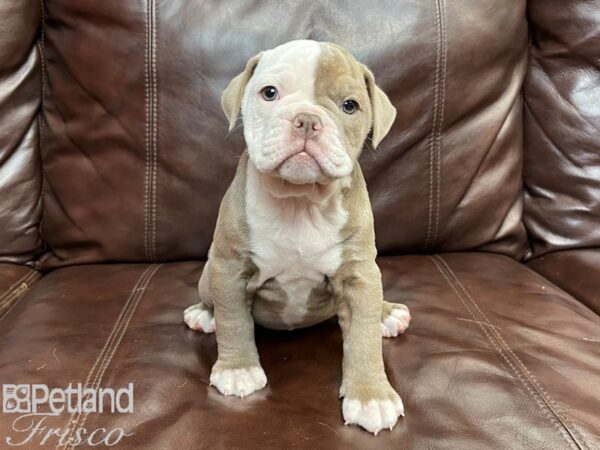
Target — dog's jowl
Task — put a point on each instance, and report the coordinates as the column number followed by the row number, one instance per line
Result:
column 294, row 242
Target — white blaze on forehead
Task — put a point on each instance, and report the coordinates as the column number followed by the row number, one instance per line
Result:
column 291, row 67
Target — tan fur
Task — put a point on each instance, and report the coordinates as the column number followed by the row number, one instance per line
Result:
column 231, row 99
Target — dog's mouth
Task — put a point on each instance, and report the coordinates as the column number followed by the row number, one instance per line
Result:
column 301, row 168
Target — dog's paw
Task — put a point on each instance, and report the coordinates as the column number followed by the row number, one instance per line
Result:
column 374, row 414
column 394, row 320
column 239, row 382
column 200, row 317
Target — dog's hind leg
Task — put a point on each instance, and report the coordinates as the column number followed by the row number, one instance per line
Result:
column 200, row 317
column 395, row 318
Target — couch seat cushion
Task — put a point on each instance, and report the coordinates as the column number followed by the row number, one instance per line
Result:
column 496, row 357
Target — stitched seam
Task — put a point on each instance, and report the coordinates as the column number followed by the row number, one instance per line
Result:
column 436, row 127
column 440, row 120
column 549, row 410
column 100, row 375
column 434, row 123
column 41, row 118
column 150, row 176
column 110, row 346
column 13, row 287
column 147, row 94
column 20, row 288
column 41, row 48
column 154, row 129
column 552, row 405
column 75, row 417
column 499, row 349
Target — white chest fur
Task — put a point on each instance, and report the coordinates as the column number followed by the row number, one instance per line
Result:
column 295, row 241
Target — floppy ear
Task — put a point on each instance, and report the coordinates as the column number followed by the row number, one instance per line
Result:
column 384, row 112
column 231, row 100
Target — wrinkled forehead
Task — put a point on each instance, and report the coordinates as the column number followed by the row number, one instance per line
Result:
column 308, row 66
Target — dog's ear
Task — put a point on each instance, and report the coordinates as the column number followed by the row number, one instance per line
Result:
column 231, row 100
column 384, row 112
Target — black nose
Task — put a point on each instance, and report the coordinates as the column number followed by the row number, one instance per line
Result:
column 307, row 124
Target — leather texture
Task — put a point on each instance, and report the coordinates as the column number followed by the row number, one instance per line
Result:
column 562, row 126
column 20, row 95
column 576, row 271
column 486, row 362
column 135, row 115
column 493, row 158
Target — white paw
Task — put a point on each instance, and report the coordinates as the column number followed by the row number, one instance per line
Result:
column 200, row 318
column 239, row 382
column 373, row 415
column 396, row 321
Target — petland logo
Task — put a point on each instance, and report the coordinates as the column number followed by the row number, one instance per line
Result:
column 36, row 402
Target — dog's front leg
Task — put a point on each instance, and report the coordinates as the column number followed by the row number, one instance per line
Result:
column 237, row 370
column 369, row 399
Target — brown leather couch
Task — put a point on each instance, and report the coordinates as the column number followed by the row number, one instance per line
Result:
column 114, row 155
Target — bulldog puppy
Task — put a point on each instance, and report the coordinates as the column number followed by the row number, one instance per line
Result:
column 294, row 243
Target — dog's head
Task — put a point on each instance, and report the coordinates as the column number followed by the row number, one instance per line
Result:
column 307, row 109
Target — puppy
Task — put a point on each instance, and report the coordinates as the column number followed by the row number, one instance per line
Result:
column 294, row 243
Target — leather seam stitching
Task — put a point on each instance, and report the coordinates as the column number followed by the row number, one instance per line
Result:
column 440, row 120
column 41, row 45
column 543, row 400
column 146, row 99
column 433, row 126
column 13, row 287
column 556, row 409
column 17, row 291
column 436, row 128
column 154, row 129
column 111, row 345
column 75, row 417
column 147, row 107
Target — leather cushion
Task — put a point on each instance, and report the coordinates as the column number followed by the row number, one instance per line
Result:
column 20, row 97
column 562, row 126
column 137, row 155
column 496, row 357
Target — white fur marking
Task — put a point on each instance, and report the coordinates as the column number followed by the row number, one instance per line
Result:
column 295, row 241
column 396, row 322
column 238, row 382
column 200, row 318
column 374, row 415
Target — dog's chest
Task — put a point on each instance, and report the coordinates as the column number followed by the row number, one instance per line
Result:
column 295, row 247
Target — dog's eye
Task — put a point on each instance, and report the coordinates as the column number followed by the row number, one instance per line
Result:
column 269, row 93
column 350, row 106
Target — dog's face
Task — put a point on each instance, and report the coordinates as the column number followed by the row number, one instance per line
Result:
column 307, row 109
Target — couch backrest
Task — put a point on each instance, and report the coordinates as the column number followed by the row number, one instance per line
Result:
column 20, row 94
column 562, row 126
column 136, row 151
